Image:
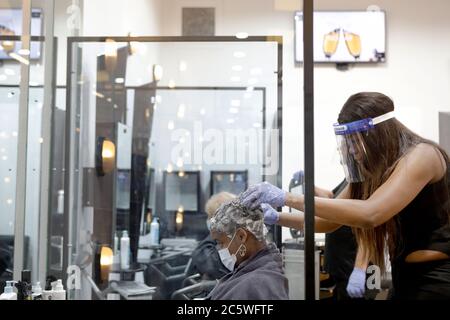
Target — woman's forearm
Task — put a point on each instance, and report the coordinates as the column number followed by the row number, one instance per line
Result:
column 354, row 213
column 297, row 220
column 415, row 170
column 289, row 220
column 296, row 201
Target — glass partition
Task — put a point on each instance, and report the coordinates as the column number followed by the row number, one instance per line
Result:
column 8, row 158
column 10, row 96
column 149, row 120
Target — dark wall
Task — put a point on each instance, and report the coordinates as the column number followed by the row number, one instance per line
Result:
column 110, row 109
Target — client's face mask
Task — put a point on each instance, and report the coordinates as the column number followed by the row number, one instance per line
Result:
column 229, row 260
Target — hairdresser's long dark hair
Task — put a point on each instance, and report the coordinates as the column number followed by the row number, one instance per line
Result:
column 384, row 146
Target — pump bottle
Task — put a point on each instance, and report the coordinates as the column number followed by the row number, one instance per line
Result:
column 9, row 293
column 154, row 231
column 125, row 251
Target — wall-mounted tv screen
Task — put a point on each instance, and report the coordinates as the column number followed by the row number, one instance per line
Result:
column 234, row 182
column 11, row 25
column 182, row 190
column 344, row 36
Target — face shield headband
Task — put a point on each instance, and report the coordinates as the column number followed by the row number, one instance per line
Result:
column 351, row 147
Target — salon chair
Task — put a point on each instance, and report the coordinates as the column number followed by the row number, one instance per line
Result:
column 169, row 272
column 7, row 254
column 197, row 290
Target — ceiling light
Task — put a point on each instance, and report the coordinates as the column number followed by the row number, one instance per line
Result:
column 242, row 35
column 181, row 111
column 10, row 72
column 110, row 55
column 24, row 52
column 170, row 125
column 158, row 72
column 182, row 66
column 256, row 71
column 19, row 58
column 236, row 103
column 98, row 94
column 110, row 48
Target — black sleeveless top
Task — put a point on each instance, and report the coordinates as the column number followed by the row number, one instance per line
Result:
column 424, row 225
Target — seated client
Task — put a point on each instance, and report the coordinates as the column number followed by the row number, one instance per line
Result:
column 256, row 271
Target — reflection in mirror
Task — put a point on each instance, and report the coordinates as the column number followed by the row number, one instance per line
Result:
column 8, row 149
column 182, row 191
column 123, row 177
column 171, row 135
column 8, row 168
column 55, row 228
column 233, row 182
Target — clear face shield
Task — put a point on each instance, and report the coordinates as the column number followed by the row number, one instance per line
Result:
column 351, row 145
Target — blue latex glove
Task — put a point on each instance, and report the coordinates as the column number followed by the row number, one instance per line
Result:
column 263, row 193
column 357, row 283
column 271, row 216
column 298, row 176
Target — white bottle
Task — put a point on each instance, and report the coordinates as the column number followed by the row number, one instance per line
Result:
column 37, row 292
column 116, row 257
column 116, row 243
column 154, row 232
column 9, row 293
column 60, row 206
column 58, row 292
column 125, row 250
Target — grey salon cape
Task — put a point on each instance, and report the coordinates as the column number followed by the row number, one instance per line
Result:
column 261, row 277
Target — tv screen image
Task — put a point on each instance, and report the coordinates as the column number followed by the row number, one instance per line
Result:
column 182, row 191
column 234, row 182
column 344, row 36
column 11, row 25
